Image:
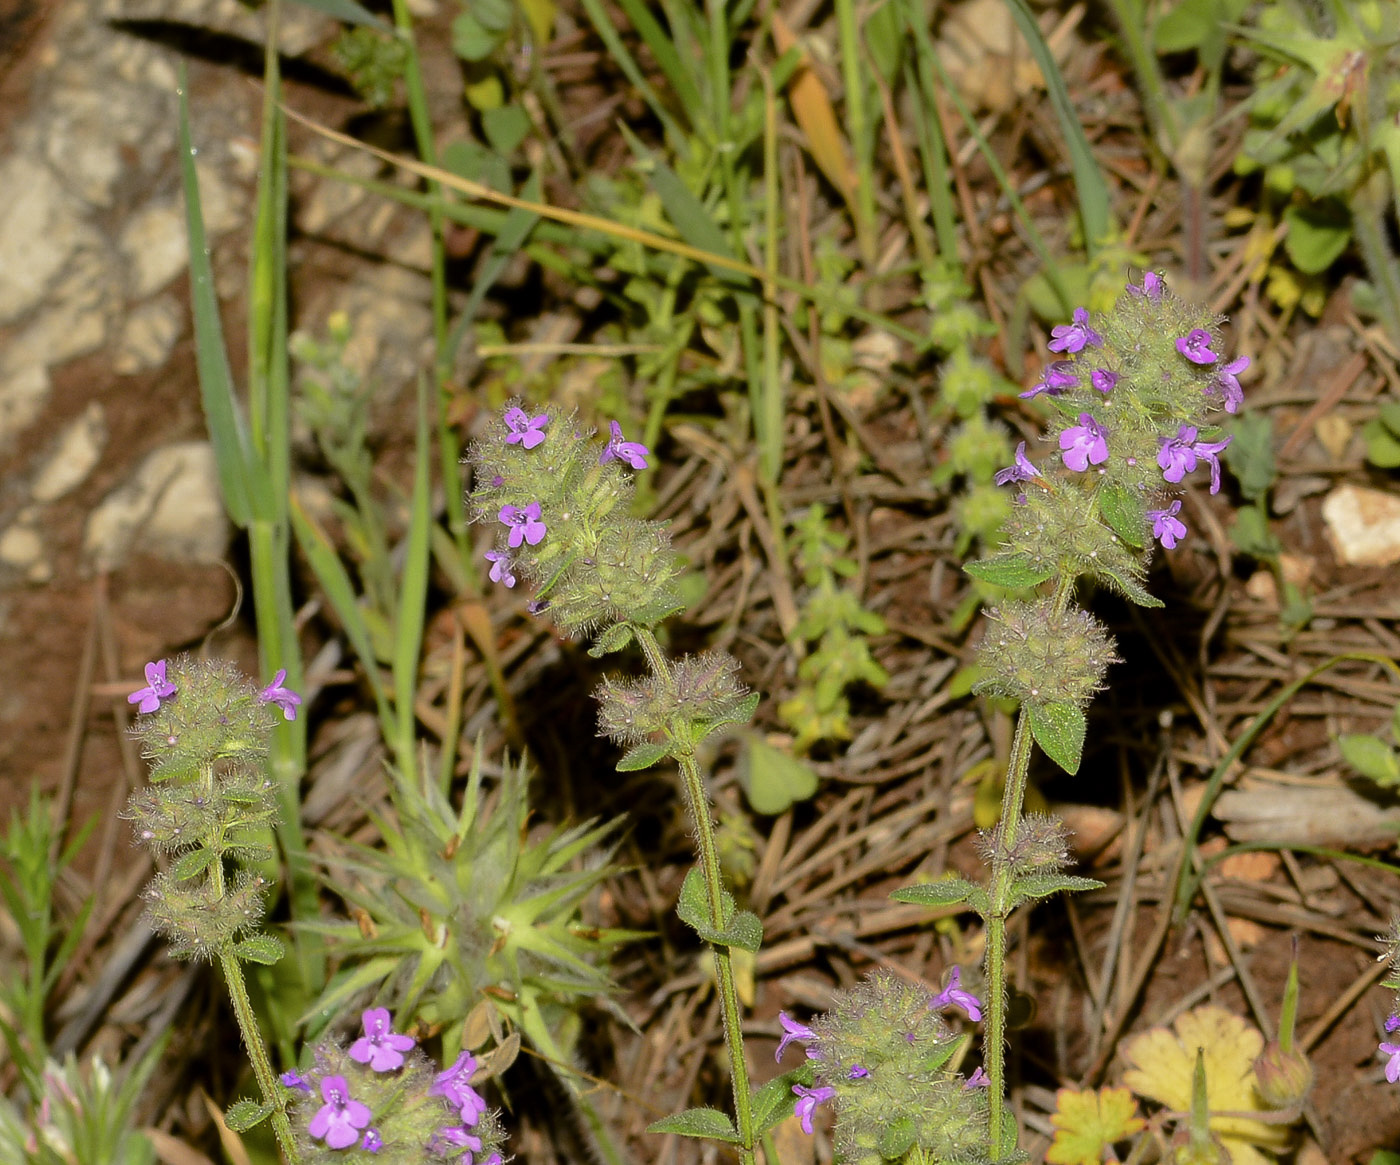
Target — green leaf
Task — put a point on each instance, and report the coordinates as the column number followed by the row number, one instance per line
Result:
column 771, row 778
column 347, row 11
column 944, row 892
column 470, row 39
column 1128, row 586
column 1043, row 885
column 1252, row 535
column 742, row 929
column 1059, row 730
column 615, row 638
column 1318, row 232
column 898, row 1138
column 1372, row 758
column 741, row 713
column 1010, row 570
column 505, row 127
column 189, row 864
column 1251, row 454
column 707, row 1123
column 642, row 756
column 243, row 1115
column 772, row 1104
column 1124, row 512
column 1382, row 448
column 1389, row 412
column 259, row 948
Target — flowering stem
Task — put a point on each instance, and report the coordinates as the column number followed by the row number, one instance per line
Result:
column 994, row 1053
column 257, row 1053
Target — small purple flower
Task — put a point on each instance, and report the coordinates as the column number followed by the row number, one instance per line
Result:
column 525, row 429
column 632, row 452
column 1167, row 528
column 500, row 567
column 1075, row 337
column 537, row 606
column 458, row 1138
column 1229, row 383
column 283, row 697
column 792, row 1032
column 1084, row 444
column 157, row 688
column 1152, row 286
column 524, row 524
column 380, row 1047
column 371, row 1142
column 1054, row 380
column 340, row 1119
column 978, row 1079
column 1195, row 346
column 1178, row 455
column 857, row 1072
column 954, row 995
column 294, row 1079
column 810, row 1098
column 1104, row 380
column 455, row 1085
column 1392, row 1068
column 1392, row 1023
column 1022, row 470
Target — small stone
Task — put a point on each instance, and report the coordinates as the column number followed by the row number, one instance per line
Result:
column 1333, row 434
column 149, row 336
column 1363, row 525
column 22, row 551
column 154, row 245
column 76, row 451
column 40, row 227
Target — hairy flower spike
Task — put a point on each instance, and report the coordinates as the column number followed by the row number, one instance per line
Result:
column 1034, row 654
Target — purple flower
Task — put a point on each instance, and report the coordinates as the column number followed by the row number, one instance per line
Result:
column 954, row 995
column 1229, row 383
column 857, row 1072
column 1054, row 380
column 1152, row 286
column 1178, row 455
column 978, row 1079
column 1392, row 1068
column 457, row 1137
column 1084, row 444
column 455, row 1085
column 1076, row 336
column 525, row 429
column 632, row 452
column 157, row 688
column 1022, row 470
column 1195, row 346
column 1392, row 1023
column 1167, row 528
column 500, row 567
column 1104, row 380
column 380, row 1047
column 294, row 1079
column 524, row 524
column 810, row 1098
column 371, row 1142
column 340, row 1119
column 284, row 698
column 792, row 1031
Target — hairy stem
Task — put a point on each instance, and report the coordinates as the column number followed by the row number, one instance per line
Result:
column 257, row 1053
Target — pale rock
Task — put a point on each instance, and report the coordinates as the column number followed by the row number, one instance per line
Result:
column 331, row 202
column 149, row 336
column 87, row 124
column 73, row 456
column 223, row 205
column 1363, row 525
column 22, row 552
column 79, row 311
column 154, row 245
column 41, row 225
column 1333, row 434
column 23, row 394
column 170, row 507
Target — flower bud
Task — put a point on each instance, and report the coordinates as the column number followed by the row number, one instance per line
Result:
column 1035, row 654
column 1284, row 1078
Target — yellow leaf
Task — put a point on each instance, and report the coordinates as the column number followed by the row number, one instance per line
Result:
column 1089, row 1122
column 816, row 117
column 1163, row 1063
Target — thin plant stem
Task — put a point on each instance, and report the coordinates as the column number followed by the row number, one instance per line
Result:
column 857, row 127
column 1369, row 205
column 257, row 1053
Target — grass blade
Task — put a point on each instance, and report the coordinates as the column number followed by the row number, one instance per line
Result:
column 413, row 591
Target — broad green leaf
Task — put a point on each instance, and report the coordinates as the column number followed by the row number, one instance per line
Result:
column 1251, row 454
column 1382, row 448
column 771, row 778
column 642, row 756
column 708, row 1123
column 772, row 1104
column 1043, row 885
column 243, row 1115
column 1252, row 535
column 898, row 1138
column 1123, row 510
column 1010, row 570
column 1371, row 757
column 189, row 864
column 505, row 128
column 1318, row 233
column 259, row 948
column 1128, row 586
column 615, row 638
column 470, row 39
column 741, row 929
column 944, row 892
column 1059, row 730
column 689, row 216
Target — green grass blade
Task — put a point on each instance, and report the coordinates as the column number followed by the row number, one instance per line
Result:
column 347, row 11
column 227, row 430
column 1089, row 183
column 664, row 50
column 603, row 25
column 413, row 593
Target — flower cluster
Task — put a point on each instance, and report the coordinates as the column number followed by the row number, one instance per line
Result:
column 1391, row 1047
column 1038, row 654
column 880, row 1054
column 561, row 505
column 382, row 1098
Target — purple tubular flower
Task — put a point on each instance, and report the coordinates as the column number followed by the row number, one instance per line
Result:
column 632, row 452
column 953, row 995
column 524, row 524
column 1195, row 346
column 857, row 1072
column 1075, row 337
column 792, row 1032
column 500, row 567
column 1152, row 287
column 525, row 429
column 371, row 1142
column 1104, row 380
column 157, row 688
column 1054, row 380
column 455, row 1085
column 1084, row 444
column 1022, row 470
column 294, row 1079
column 458, row 1138
column 283, row 697
column 1178, row 455
column 1392, row 1023
column 340, row 1119
column 1229, row 383
column 1167, row 528
column 1392, row 1068
column 809, row 1099
column 978, row 1079
column 380, row 1047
